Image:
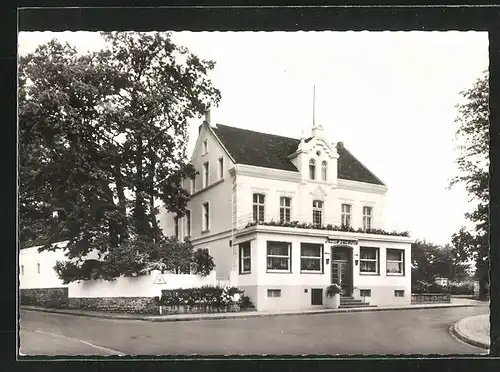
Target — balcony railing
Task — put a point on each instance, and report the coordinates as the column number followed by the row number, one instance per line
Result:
column 307, row 223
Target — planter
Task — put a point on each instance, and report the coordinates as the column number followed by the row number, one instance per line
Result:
column 333, row 302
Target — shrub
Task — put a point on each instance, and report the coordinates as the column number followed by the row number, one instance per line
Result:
column 202, row 263
column 203, row 296
column 333, row 290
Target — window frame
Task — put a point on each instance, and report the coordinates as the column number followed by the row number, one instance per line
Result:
column 38, row 269
column 177, row 231
column 220, row 164
column 324, row 170
column 274, row 290
column 256, row 213
column 320, row 258
column 367, row 218
column 205, row 147
column 377, row 262
column 312, row 169
column 399, row 291
column 242, row 257
column 318, row 209
column 193, row 185
column 345, row 214
column 206, row 174
column 402, row 261
column 22, row 269
column 285, row 208
column 288, row 257
column 361, row 291
column 205, row 215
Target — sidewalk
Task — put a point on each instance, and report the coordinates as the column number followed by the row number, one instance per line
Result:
column 246, row 314
column 474, row 330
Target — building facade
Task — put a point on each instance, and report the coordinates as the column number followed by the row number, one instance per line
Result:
column 284, row 218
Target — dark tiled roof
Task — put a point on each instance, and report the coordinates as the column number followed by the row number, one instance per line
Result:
column 271, row 151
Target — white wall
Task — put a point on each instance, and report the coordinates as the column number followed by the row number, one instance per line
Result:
column 121, row 287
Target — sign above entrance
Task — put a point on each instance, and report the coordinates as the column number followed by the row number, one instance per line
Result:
column 336, row 241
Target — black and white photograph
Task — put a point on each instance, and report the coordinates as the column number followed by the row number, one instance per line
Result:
column 253, row 193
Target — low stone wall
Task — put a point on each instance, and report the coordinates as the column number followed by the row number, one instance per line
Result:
column 199, row 309
column 45, row 297
column 425, row 298
column 137, row 305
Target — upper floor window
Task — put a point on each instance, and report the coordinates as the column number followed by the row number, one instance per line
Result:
column 395, row 262
column 221, row 167
column 324, row 170
column 206, row 216
column 312, row 169
column 176, row 227
column 346, row 215
column 206, row 173
column 285, row 209
column 193, row 185
column 188, row 223
column 22, row 269
column 205, row 147
column 367, row 218
column 258, row 207
column 38, row 268
column 317, row 212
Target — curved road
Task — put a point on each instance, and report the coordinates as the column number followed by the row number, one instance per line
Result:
column 379, row 332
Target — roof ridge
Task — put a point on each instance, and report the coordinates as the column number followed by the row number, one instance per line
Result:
column 257, row 132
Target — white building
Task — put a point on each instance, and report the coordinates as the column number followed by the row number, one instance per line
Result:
column 298, row 192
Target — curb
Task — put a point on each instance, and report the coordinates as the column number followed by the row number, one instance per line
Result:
column 159, row 318
column 455, row 330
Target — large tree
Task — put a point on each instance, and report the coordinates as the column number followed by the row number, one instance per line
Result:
column 102, row 139
column 473, row 143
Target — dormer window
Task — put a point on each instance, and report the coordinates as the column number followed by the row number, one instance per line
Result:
column 324, row 169
column 312, row 169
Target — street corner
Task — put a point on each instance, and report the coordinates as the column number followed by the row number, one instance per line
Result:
column 474, row 330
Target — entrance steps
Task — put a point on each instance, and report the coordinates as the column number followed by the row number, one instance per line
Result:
column 350, row 302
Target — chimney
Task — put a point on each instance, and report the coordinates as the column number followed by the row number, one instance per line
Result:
column 208, row 120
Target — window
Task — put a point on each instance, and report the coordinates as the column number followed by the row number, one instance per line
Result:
column 206, row 173
column 245, row 260
column 274, row 293
column 365, row 292
column 285, row 209
column 395, row 262
column 324, row 168
column 312, row 169
column 22, row 269
column 221, row 167
column 188, row 223
column 278, row 256
column 399, row 293
column 346, row 215
column 206, row 216
column 38, row 268
column 311, row 257
column 205, row 147
column 258, row 207
column 368, row 260
column 367, row 218
column 193, row 185
column 176, row 227
column 317, row 212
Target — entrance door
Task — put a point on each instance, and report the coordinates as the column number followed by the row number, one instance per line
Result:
column 341, row 270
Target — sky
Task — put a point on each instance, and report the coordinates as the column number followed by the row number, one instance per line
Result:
column 389, row 96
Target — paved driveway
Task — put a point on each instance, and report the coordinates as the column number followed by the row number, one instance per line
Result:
column 381, row 332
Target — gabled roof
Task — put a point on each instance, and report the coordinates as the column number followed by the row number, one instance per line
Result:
column 272, row 151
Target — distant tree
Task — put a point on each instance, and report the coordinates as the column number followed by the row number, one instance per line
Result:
column 431, row 261
column 102, row 139
column 473, row 137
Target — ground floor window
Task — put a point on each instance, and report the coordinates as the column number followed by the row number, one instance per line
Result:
column 274, row 293
column 245, row 258
column 368, row 260
column 278, row 256
column 311, row 257
column 395, row 261
column 399, row 293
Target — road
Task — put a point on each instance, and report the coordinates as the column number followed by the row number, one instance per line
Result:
column 378, row 332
